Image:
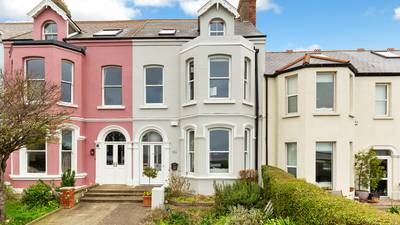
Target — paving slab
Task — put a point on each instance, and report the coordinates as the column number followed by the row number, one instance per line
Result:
column 98, row 214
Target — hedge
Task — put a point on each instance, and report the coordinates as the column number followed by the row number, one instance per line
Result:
column 308, row 204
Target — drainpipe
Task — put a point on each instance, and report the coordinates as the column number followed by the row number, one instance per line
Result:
column 257, row 106
column 266, row 120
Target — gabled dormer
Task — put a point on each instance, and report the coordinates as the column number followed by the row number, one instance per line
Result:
column 52, row 21
column 217, row 18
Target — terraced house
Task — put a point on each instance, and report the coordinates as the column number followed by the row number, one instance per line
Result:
column 175, row 95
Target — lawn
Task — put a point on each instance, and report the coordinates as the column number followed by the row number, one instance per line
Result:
column 20, row 214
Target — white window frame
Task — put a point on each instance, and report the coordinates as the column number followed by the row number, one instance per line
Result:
column 333, row 163
column 387, row 100
column 24, row 161
column 247, row 79
column 220, row 33
column 291, row 95
column 219, row 57
column 73, row 151
column 333, row 109
column 229, row 151
column 69, row 82
column 26, row 68
column 156, row 85
column 287, row 156
column 247, row 149
column 190, row 151
column 190, row 82
column 111, row 86
column 49, row 34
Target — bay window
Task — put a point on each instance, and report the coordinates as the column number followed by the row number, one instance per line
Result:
column 190, row 80
column 291, row 153
column 219, row 148
column 154, row 85
column 325, row 91
column 291, row 95
column 112, row 86
column 190, row 151
column 67, row 81
column 219, row 77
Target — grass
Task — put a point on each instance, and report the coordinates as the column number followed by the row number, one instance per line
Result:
column 20, row 214
column 193, row 199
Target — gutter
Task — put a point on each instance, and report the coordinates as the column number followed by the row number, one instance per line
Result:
column 257, row 107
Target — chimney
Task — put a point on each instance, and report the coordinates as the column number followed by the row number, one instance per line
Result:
column 247, row 10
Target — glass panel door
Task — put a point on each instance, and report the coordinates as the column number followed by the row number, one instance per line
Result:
column 146, row 156
column 157, row 157
column 383, row 184
column 121, row 155
column 110, row 155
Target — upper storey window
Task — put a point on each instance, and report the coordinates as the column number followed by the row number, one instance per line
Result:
column 67, row 69
column 112, row 89
column 291, row 94
column 190, row 80
column 50, row 31
column 217, row 27
column 219, row 77
column 34, row 70
column 325, row 91
column 154, row 85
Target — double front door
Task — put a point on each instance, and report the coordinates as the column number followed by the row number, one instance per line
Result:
column 115, row 164
column 152, row 157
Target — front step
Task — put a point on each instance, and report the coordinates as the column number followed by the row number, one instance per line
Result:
column 113, row 199
column 115, row 193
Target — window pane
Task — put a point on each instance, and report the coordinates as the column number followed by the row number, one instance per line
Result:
column 152, row 137
column 219, row 140
column 381, row 92
column 191, row 162
column 219, row 162
column 66, row 73
column 191, row 91
column 51, row 37
column 112, row 76
column 292, row 85
column 292, row 104
column 36, row 162
column 115, row 136
column 154, row 94
column 66, row 92
column 381, row 108
column 121, row 155
column 66, row 161
column 154, row 76
column 219, row 68
column 113, row 96
column 292, row 171
column 323, row 170
column 157, row 157
column 110, row 155
column 50, row 28
column 219, row 88
column 35, row 69
column 146, row 156
column 325, row 91
column 190, row 146
column 66, row 140
column 291, row 154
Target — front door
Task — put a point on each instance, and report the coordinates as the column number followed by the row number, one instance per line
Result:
column 384, row 185
column 115, row 164
column 152, row 157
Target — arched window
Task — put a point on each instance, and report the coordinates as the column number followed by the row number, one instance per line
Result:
column 217, row 27
column 50, row 31
column 115, row 136
column 152, row 136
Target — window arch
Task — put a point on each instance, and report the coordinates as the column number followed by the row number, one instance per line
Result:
column 152, row 136
column 50, row 31
column 217, row 27
column 115, row 136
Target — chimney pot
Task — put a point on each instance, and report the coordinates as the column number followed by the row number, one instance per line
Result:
column 317, row 50
column 289, row 51
column 360, row 49
column 248, row 10
column 391, row 49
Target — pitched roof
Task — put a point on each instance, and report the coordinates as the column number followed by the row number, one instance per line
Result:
column 130, row 29
column 364, row 62
column 228, row 6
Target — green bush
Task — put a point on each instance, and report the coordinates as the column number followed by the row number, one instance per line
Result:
column 305, row 203
column 242, row 216
column 246, row 194
column 394, row 210
column 38, row 195
column 286, row 221
column 68, row 179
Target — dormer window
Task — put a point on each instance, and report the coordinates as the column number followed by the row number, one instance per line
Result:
column 217, row 27
column 50, row 31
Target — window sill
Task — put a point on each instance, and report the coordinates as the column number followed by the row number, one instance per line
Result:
column 110, row 107
column 153, row 107
column 66, row 104
column 352, row 116
column 191, row 103
column 326, row 114
column 383, row 118
column 219, row 101
column 288, row 116
column 211, row 177
column 247, row 103
column 43, row 176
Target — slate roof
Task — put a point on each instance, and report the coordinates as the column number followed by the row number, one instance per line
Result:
column 131, row 29
column 364, row 61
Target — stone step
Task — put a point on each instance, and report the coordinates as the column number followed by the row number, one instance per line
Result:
column 116, row 190
column 112, row 199
column 105, row 194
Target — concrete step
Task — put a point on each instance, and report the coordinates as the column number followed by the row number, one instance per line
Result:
column 113, row 199
column 105, row 194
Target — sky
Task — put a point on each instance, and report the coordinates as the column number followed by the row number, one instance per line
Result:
column 288, row 24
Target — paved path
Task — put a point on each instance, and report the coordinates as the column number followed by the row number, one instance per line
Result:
column 98, row 214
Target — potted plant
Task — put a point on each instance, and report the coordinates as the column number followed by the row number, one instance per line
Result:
column 67, row 198
column 150, row 173
column 369, row 172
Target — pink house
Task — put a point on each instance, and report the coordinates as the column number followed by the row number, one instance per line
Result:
column 95, row 77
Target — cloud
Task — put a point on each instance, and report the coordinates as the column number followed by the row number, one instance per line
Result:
column 397, row 14
column 81, row 9
column 153, row 3
column 309, row 48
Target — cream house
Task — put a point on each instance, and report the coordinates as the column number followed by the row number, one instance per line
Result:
column 324, row 107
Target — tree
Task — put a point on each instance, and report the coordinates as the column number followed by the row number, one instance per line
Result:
column 28, row 114
column 368, row 169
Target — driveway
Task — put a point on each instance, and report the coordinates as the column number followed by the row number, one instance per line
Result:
column 98, row 214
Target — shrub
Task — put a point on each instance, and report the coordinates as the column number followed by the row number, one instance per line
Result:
column 279, row 221
column 248, row 195
column 394, row 210
column 9, row 193
column 38, row 195
column 177, row 185
column 305, row 203
column 242, row 216
column 248, row 175
column 68, row 179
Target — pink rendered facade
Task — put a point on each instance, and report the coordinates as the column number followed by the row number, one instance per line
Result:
column 90, row 115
